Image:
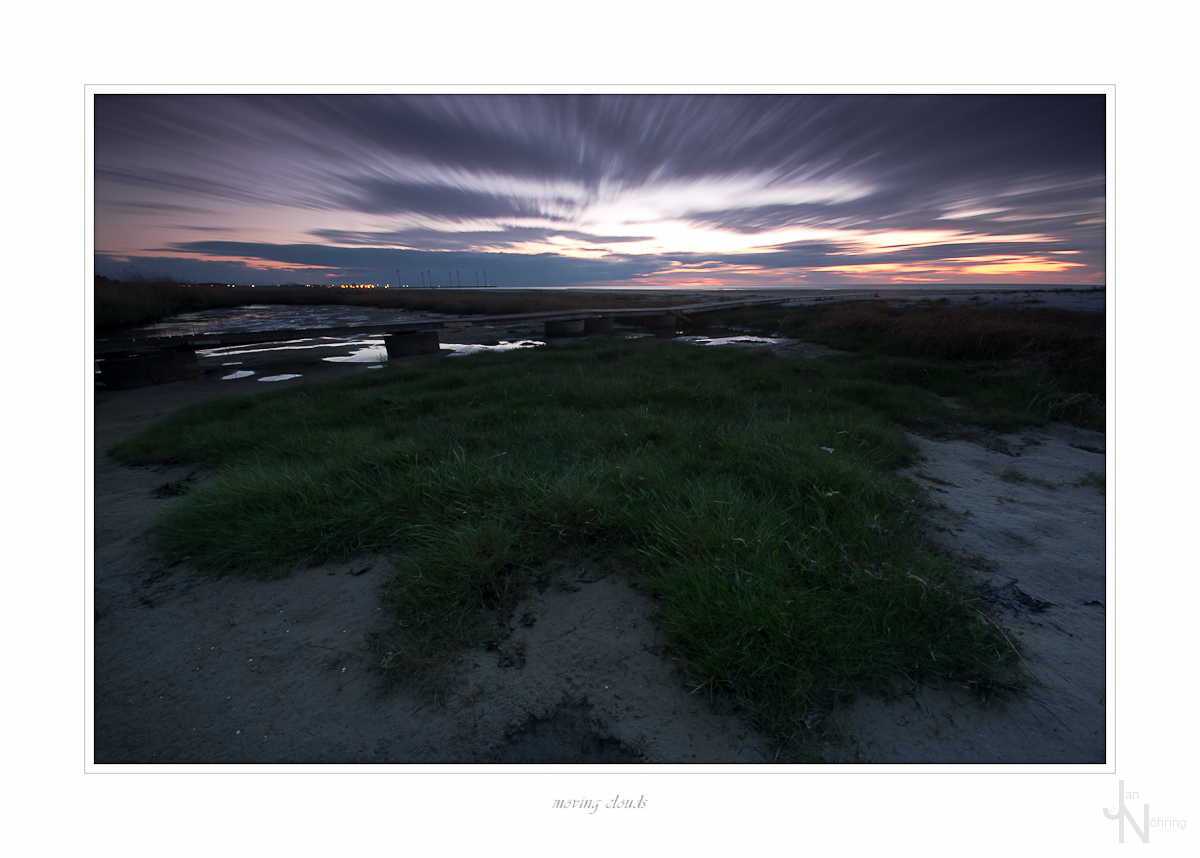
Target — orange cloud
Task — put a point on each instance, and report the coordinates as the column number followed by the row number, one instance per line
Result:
column 876, row 268
column 956, row 267
column 255, row 264
column 1023, row 266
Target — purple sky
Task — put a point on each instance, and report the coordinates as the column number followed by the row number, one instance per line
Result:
column 628, row 190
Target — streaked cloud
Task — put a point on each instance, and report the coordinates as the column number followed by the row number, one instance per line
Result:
column 597, row 189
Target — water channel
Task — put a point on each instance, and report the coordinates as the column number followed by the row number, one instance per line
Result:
column 294, row 359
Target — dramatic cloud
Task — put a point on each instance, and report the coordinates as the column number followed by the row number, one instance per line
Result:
column 596, row 189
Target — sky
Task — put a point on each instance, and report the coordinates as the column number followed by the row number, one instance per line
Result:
column 624, row 190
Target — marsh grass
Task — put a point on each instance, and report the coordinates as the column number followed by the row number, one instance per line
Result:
column 1012, row 366
column 141, row 300
column 753, row 496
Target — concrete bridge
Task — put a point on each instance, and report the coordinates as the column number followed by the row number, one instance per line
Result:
column 156, row 360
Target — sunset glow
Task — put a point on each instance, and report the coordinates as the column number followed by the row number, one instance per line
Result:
column 633, row 190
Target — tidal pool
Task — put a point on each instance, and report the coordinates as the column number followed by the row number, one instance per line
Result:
column 502, row 346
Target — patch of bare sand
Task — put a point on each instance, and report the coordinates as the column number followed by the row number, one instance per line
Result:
column 1026, row 513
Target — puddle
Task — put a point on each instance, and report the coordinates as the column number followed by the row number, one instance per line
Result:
column 272, row 348
column 502, row 346
column 374, row 351
column 371, row 351
column 733, row 341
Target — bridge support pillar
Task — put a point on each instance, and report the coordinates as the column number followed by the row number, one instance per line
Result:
column 146, row 368
column 662, row 325
column 603, row 325
column 566, row 328
column 408, row 345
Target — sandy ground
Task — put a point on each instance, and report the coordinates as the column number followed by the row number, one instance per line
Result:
column 189, row 668
column 1032, row 538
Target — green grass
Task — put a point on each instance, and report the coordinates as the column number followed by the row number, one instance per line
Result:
column 1011, row 366
column 754, row 496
